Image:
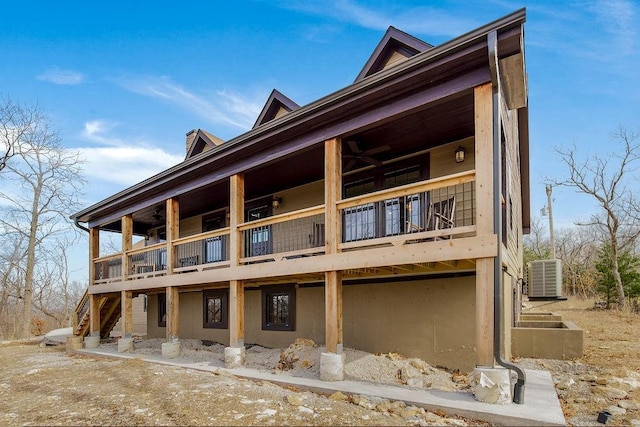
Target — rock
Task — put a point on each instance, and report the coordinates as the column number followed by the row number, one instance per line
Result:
column 430, row 417
column 602, row 381
column 294, row 400
column 415, row 382
column 394, row 356
column 610, row 392
column 459, row 378
column 306, row 364
column 398, row 404
column 409, row 411
column 360, row 400
column 634, row 423
column 616, row 410
column 454, row 422
column 383, row 406
column 626, row 384
column 590, row 378
column 563, row 385
column 420, row 365
column 338, row 395
column 629, row 405
column 304, row 342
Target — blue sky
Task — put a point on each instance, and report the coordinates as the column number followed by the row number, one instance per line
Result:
column 125, row 81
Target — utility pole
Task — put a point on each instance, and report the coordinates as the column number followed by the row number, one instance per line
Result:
column 552, row 239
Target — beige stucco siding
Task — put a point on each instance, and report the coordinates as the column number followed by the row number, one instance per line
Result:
column 431, row 319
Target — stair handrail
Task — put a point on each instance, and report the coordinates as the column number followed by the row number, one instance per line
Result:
column 81, row 310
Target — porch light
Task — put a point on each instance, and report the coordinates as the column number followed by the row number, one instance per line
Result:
column 460, row 155
column 276, row 202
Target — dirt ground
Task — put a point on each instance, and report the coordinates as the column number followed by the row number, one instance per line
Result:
column 607, row 377
column 47, row 386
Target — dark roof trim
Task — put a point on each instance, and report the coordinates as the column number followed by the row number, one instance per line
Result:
column 272, row 106
column 393, row 39
column 290, row 120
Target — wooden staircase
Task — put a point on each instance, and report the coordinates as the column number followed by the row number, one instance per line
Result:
column 109, row 315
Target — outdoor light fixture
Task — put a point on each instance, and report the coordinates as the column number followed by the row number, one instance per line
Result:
column 276, row 202
column 460, row 155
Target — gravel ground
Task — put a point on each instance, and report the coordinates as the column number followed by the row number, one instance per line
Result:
column 47, row 386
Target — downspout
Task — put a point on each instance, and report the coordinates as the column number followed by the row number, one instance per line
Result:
column 81, row 227
column 518, row 392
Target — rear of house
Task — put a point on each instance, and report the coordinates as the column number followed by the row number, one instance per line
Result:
column 382, row 217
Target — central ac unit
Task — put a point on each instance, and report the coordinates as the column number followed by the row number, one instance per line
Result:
column 545, row 278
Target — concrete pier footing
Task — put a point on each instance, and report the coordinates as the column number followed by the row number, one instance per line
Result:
column 92, row 342
column 125, row 344
column 234, row 357
column 332, row 366
column 171, row 350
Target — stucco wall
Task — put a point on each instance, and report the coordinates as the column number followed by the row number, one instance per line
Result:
column 430, row 319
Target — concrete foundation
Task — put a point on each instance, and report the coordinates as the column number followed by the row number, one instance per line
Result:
column 125, row 344
column 492, row 385
column 73, row 343
column 171, row 350
column 92, row 342
column 234, row 357
column 548, row 339
column 332, row 367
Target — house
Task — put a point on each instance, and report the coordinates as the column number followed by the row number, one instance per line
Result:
column 387, row 217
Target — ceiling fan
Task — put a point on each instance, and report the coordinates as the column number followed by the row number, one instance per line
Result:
column 365, row 156
column 156, row 215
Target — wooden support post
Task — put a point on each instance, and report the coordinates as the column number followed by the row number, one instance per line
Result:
column 333, row 236
column 483, row 103
column 332, row 193
column 127, row 243
column 94, row 252
column 94, row 314
column 236, row 217
column 173, row 313
column 236, row 313
column 333, row 311
column 126, row 310
column 173, row 232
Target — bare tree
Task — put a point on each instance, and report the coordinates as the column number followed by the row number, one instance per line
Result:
column 577, row 248
column 41, row 184
column 16, row 125
column 536, row 243
column 607, row 180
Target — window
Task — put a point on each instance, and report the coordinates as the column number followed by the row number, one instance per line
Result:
column 162, row 310
column 278, row 308
column 215, row 309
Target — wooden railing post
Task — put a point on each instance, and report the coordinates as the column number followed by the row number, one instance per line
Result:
column 127, row 244
column 173, row 232
column 236, row 217
column 483, row 100
column 94, row 252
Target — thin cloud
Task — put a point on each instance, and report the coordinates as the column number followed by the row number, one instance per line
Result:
column 417, row 20
column 118, row 162
column 227, row 108
column 62, row 77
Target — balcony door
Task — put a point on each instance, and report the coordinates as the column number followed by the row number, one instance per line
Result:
column 213, row 247
column 259, row 239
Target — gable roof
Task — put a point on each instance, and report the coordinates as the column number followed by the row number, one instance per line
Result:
column 200, row 142
column 276, row 106
column 395, row 45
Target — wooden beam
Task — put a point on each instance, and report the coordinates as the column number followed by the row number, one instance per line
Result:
column 236, row 217
column 484, row 311
column 94, row 314
column 333, row 311
column 173, row 313
column 332, row 193
column 441, row 250
column 126, row 311
column 236, row 313
column 173, row 231
column 127, row 243
column 94, row 252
